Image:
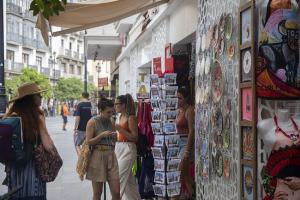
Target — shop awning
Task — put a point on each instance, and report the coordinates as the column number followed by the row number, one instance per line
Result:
column 93, row 13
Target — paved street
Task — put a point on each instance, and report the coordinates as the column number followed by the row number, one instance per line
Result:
column 67, row 185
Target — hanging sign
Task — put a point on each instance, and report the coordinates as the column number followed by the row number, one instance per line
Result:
column 169, row 61
column 157, row 66
column 102, row 82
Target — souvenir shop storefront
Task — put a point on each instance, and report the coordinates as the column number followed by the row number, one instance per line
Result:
column 247, row 104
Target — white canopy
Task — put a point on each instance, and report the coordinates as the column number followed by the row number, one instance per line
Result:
column 93, row 13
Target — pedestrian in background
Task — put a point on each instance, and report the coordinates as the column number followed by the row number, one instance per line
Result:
column 185, row 120
column 83, row 114
column 103, row 164
column 126, row 152
column 27, row 106
column 64, row 114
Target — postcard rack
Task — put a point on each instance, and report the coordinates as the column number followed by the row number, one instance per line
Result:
column 166, row 150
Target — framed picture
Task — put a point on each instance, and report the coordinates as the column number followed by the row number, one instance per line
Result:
column 247, row 104
column 156, row 116
column 170, row 115
column 169, row 128
column 159, row 165
column 160, row 177
column 173, row 189
column 173, row 165
column 155, row 92
column 171, row 103
column 172, row 152
column 158, row 152
column 155, row 103
column 154, row 79
column 172, row 140
column 170, row 79
column 156, row 128
column 246, row 62
column 170, row 91
column 173, row 177
column 245, row 28
column 248, row 182
column 158, row 140
column 159, row 190
column 248, row 143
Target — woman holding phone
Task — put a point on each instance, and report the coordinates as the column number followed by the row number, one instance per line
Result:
column 103, row 164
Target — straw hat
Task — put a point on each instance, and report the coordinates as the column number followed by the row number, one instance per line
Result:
column 27, row 89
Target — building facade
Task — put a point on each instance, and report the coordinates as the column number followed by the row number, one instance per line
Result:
column 151, row 31
column 24, row 44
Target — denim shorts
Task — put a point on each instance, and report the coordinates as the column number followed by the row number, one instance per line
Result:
column 79, row 138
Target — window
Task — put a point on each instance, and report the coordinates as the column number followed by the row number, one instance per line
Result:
column 78, row 48
column 10, row 55
column 79, row 70
column 39, row 61
column 62, row 43
column 25, row 58
column 70, row 46
column 71, row 69
column 64, row 67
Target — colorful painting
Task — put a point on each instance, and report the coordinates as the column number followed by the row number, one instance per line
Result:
column 278, row 69
column 248, row 143
column 248, row 183
column 247, row 104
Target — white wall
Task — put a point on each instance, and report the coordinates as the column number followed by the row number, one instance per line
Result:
column 124, row 75
column 183, row 20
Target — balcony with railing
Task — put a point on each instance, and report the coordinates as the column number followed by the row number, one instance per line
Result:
column 14, row 37
column 45, row 71
column 13, row 8
column 75, row 55
column 68, row 52
column 56, row 74
column 13, row 67
column 40, row 45
column 33, row 67
column 29, row 15
column 29, row 42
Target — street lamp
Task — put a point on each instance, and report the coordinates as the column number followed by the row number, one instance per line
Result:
column 54, row 62
column 98, row 68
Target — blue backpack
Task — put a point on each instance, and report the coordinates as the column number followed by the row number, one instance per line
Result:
column 11, row 141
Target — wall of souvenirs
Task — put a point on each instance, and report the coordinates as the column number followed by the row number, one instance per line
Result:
column 217, row 99
column 247, row 100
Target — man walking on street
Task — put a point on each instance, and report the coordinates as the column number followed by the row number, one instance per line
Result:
column 82, row 115
column 64, row 114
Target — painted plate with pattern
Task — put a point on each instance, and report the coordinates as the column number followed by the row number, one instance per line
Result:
column 219, row 164
column 228, row 26
column 217, row 82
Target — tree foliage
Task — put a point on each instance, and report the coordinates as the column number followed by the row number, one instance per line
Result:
column 47, row 7
column 29, row 76
column 70, row 88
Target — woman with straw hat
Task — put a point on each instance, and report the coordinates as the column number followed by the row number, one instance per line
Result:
column 27, row 106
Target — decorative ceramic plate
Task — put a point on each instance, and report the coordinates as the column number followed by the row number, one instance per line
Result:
column 202, row 66
column 221, row 46
column 231, row 51
column 215, row 36
column 217, row 82
column 248, row 180
column 207, row 64
column 219, row 164
column 247, row 62
column 204, row 148
column 226, row 168
column 203, row 42
column 198, row 46
column 228, row 26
